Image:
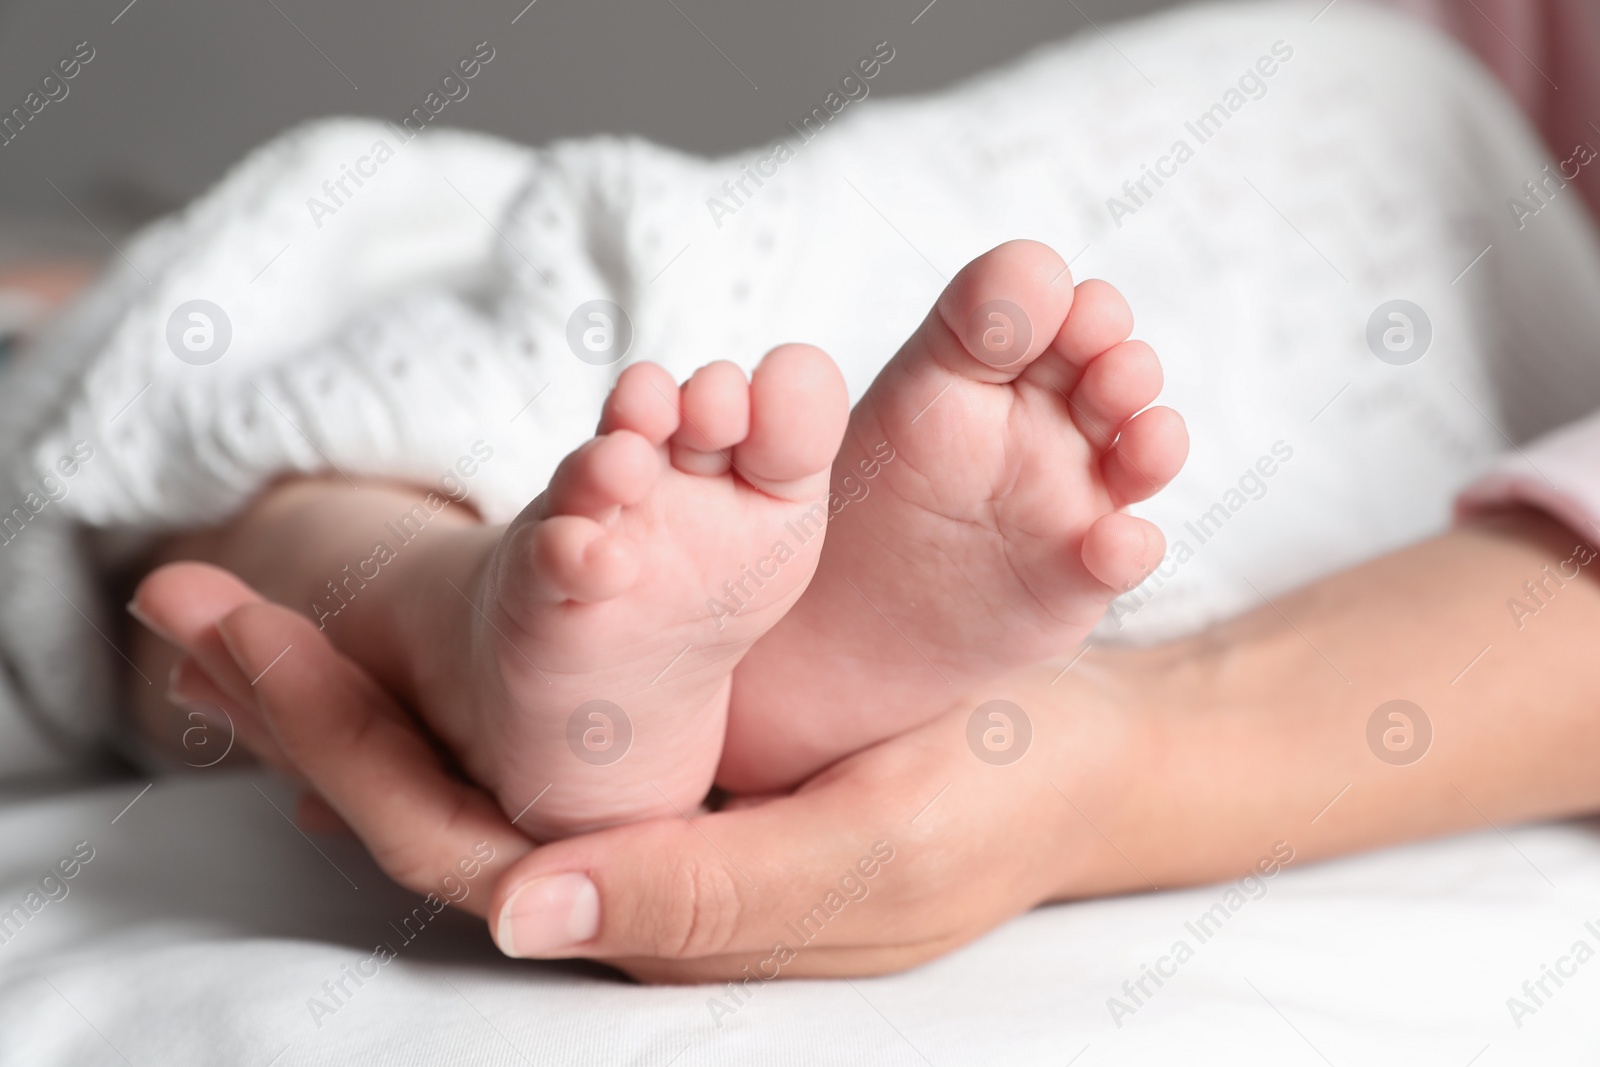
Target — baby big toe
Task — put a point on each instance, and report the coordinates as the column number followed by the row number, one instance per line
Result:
column 998, row 314
column 799, row 406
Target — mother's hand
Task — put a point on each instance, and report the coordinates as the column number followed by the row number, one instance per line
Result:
column 888, row 859
column 310, row 712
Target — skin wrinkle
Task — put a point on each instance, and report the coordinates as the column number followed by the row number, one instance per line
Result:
column 687, row 885
column 692, row 909
column 992, row 530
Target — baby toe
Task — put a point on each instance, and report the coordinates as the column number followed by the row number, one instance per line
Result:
column 1148, row 454
column 1120, row 550
column 644, row 400
column 1100, row 317
column 615, row 470
column 576, row 558
column 715, row 410
column 1114, row 386
column 799, row 406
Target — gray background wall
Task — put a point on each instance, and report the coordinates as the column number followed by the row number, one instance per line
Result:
column 180, row 89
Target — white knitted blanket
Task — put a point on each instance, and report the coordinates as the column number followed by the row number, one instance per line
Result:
column 1257, row 183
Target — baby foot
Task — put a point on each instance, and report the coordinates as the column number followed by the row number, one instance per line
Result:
column 611, row 613
column 974, row 517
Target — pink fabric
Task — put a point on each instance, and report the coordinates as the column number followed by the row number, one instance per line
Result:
column 1547, row 54
column 1558, row 474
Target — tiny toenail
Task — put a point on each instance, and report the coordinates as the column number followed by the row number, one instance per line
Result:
column 548, row 915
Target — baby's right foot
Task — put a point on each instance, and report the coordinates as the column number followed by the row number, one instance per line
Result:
column 593, row 681
column 976, row 524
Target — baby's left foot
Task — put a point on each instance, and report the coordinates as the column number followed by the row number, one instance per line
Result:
column 976, row 525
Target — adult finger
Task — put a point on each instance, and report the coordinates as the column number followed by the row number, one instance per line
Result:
column 192, row 689
column 181, row 603
column 428, row 830
column 313, row 815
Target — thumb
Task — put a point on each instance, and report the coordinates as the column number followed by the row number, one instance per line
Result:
column 719, row 884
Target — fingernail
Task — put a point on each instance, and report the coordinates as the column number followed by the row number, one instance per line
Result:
column 176, row 692
column 144, row 620
column 233, row 650
column 549, row 914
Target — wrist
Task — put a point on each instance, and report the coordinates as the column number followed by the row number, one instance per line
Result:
column 1094, row 734
column 1142, row 746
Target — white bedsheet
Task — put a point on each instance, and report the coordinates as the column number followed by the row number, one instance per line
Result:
column 206, row 922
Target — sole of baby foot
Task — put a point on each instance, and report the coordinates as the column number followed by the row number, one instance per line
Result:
column 975, row 517
column 608, row 619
